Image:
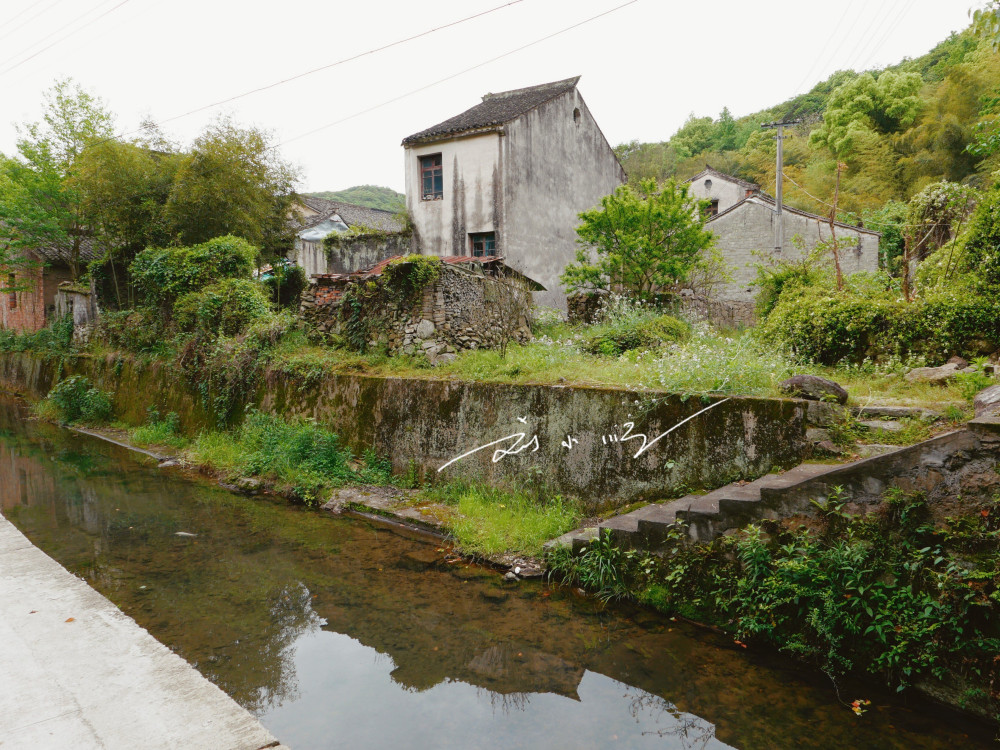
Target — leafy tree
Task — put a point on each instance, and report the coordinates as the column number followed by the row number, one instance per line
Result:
column 232, row 182
column 982, row 244
column 986, row 23
column 642, row 239
column 867, row 104
column 41, row 204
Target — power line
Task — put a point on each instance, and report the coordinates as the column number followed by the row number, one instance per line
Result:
column 61, row 39
column 453, row 75
column 52, row 34
column 341, row 62
column 17, row 15
column 32, row 18
column 892, row 27
column 829, row 39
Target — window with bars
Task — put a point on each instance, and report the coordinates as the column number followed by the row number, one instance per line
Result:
column 431, row 178
column 484, row 244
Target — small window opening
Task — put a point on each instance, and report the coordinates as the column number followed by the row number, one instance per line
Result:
column 431, row 178
column 576, row 116
column 708, row 184
column 483, row 244
column 712, row 210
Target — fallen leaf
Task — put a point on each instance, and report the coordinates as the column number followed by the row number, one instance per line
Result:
column 70, row 619
column 32, row 612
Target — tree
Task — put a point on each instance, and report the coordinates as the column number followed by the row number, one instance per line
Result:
column 232, row 182
column 868, row 104
column 41, row 204
column 986, row 23
column 642, row 239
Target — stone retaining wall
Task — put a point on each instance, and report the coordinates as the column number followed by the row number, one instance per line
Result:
column 575, row 440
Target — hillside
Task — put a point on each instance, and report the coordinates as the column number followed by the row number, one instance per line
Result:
column 367, row 195
column 925, row 119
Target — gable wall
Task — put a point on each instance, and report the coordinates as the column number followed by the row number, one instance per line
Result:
column 554, row 168
column 727, row 193
column 34, row 306
column 471, row 202
column 745, row 237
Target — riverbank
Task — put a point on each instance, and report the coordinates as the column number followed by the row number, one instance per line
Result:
column 80, row 673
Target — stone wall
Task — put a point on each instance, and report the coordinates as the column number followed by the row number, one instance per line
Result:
column 430, row 422
column 721, row 313
column 460, row 310
column 345, row 253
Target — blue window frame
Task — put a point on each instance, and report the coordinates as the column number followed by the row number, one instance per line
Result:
column 484, row 244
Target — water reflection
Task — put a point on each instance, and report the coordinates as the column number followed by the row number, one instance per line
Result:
column 343, row 634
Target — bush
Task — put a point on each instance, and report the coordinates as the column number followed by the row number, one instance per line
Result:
column 285, row 288
column 138, row 330
column 828, row 328
column 76, row 400
column 613, row 339
column 161, row 275
column 56, row 339
column 228, row 307
column 982, row 241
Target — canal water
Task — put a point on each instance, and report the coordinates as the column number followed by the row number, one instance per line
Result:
column 338, row 633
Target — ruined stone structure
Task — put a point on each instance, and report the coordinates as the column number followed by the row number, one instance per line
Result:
column 467, row 307
column 742, row 218
column 509, row 177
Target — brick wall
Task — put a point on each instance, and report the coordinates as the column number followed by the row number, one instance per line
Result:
column 23, row 310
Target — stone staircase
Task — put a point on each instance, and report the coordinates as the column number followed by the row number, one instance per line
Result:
column 951, row 463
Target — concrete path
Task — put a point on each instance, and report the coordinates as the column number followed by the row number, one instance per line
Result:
column 75, row 672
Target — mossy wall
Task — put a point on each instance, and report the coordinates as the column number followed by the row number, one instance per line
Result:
column 429, row 422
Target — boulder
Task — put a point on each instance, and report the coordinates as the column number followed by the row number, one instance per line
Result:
column 877, row 424
column 425, row 329
column 823, row 414
column 814, row 388
column 987, row 401
column 959, row 362
column 937, row 375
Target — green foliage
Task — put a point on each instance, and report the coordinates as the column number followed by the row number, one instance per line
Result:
column 52, row 341
column 77, row 400
column 411, row 274
column 972, row 380
column 820, row 326
column 890, row 220
column 140, row 330
column 490, row 521
column 232, row 181
column 159, row 431
column 887, row 593
column 641, row 328
column 982, row 243
column 643, row 239
column 779, row 275
column 227, row 308
column 372, row 196
column 935, row 215
column 301, row 456
column 986, row 23
column 286, row 284
column 163, row 274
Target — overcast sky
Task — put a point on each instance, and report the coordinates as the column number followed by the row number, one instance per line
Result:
column 645, row 66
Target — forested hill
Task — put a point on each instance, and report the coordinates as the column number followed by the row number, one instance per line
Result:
column 936, row 117
column 367, row 195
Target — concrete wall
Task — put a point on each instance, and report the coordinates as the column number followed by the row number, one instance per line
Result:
column 745, row 237
column 350, row 253
column 430, row 422
column 471, row 176
column 727, row 193
column 555, row 166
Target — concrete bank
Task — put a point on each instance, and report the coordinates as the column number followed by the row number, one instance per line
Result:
column 576, row 440
column 78, row 673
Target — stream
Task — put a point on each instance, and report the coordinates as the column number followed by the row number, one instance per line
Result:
column 340, row 633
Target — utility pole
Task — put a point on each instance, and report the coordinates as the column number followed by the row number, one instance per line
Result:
column 779, row 235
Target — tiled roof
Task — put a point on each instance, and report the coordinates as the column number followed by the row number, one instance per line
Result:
column 768, row 202
column 496, row 109
column 352, row 214
column 63, row 255
column 708, row 171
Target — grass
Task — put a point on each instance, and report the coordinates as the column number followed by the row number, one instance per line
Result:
column 159, row 432
column 299, row 456
column 488, row 521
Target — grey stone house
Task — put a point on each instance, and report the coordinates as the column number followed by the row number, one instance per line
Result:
column 742, row 218
column 509, row 177
column 316, row 219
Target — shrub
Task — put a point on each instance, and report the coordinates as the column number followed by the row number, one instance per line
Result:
column 286, row 287
column 828, row 328
column 161, row 275
column 138, row 330
column 228, row 307
column 56, row 339
column 982, row 241
column 76, row 400
column 615, row 339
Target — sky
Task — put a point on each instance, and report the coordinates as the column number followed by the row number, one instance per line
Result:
column 646, row 65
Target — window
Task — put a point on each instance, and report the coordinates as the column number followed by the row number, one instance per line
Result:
column 576, row 117
column 12, row 298
column 431, row 180
column 712, row 210
column 484, row 244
